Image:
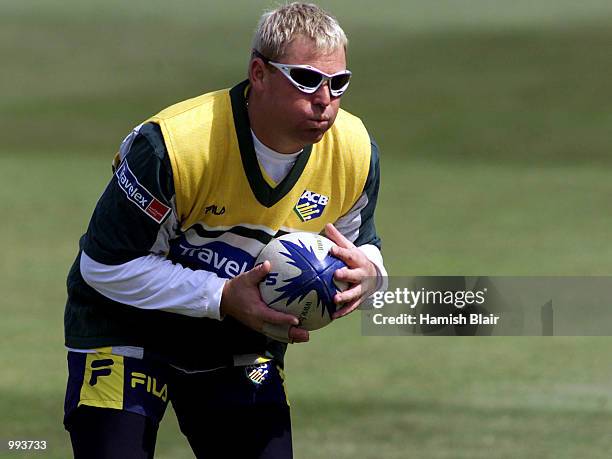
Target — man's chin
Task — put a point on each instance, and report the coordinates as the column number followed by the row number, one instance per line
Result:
column 314, row 135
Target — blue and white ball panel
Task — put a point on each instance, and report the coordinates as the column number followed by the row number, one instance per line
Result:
column 301, row 279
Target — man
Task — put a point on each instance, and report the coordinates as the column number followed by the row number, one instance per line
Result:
column 163, row 300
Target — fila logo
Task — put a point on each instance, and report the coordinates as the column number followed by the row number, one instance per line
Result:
column 214, row 210
column 310, row 205
column 100, row 368
column 150, row 384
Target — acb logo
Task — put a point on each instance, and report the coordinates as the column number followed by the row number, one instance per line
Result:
column 310, row 205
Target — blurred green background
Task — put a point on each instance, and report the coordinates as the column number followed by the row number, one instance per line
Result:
column 493, row 120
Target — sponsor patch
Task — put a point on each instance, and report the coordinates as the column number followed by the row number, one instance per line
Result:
column 257, row 373
column 223, row 259
column 139, row 195
column 310, row 205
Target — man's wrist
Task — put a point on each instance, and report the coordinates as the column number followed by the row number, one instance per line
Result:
column 374, row 256
column 225, row 303
column 212, row 298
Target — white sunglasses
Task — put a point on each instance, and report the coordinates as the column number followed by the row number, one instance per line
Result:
column 308, row 79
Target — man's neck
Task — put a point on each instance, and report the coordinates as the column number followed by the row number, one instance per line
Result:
column 265, row 132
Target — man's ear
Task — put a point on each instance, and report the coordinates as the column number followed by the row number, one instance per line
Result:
column 257, row 73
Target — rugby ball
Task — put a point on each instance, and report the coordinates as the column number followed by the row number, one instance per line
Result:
column 301, row 280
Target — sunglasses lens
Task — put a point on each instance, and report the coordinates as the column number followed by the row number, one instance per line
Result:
column 305, row 77
column 340, row 81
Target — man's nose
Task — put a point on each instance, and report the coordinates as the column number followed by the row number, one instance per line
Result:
column 322, row 96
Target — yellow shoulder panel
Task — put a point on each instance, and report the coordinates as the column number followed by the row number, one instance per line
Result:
column 192, row 129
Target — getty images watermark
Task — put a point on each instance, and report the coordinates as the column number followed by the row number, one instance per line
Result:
column 485, row 306
column 412, row 298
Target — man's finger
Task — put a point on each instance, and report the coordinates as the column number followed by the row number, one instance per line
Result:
column 350, row 257
column 299, row 335
column 259, row 272
column 351, row 276
column 336, row 236
column 277, row 332
column 347, row 309
column 276, row 317
column 285, row 333
column 349, row 295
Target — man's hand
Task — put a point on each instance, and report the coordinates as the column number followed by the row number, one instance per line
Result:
column 241, row 300
column 360, row 272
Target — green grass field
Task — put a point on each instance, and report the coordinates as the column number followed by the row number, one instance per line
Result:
column 493, row 121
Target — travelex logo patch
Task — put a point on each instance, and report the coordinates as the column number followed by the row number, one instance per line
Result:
column 257, row 373
column 310, row 205
column 218, row 257
column 139, row 195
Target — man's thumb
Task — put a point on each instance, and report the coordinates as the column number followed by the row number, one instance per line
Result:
column 260, row 271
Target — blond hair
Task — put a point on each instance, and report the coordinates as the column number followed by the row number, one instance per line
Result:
column 278, row 28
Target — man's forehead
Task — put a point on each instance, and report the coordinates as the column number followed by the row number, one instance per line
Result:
column 305, row 51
